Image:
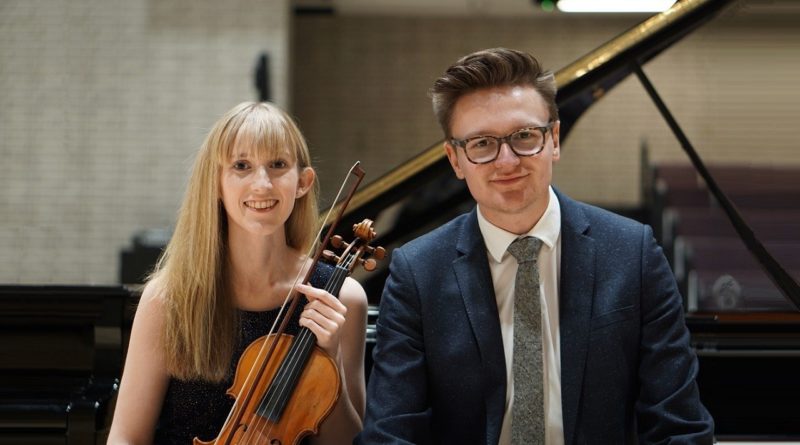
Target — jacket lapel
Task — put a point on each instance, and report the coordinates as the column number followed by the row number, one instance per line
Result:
column 475, row 282
column 575, row 307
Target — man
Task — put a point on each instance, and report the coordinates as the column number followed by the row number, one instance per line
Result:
column 612, row 358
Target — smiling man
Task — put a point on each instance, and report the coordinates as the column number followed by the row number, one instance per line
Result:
column 534, row 318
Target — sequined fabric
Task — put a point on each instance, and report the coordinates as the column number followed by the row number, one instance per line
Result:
column 199, row 408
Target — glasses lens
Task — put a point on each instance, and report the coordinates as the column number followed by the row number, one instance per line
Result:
column 481, row 149
column 527, row 141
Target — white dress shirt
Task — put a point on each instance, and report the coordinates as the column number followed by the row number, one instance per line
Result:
column 503, row 267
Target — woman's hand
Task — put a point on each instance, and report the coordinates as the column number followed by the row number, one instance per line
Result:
column 324, row 315
column 345, row 421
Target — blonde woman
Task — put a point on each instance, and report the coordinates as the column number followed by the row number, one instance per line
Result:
column 247, row 220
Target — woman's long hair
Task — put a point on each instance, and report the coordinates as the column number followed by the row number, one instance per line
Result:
column 201, row 324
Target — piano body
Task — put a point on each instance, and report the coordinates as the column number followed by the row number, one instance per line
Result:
column 61, row 348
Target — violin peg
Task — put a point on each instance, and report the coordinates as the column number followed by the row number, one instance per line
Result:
column 379, row 253
column 337, row 241
column 369, row 264
column 330, row 256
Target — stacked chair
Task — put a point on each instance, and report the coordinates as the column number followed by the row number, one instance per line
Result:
column 714, row 269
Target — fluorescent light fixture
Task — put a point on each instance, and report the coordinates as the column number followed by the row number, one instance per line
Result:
column 614, row 5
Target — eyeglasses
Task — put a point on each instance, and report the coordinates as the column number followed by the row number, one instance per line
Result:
column 527, row 141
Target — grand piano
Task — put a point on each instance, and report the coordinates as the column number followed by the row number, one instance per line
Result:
column 749, row 360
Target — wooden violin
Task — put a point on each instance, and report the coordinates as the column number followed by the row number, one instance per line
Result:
column 285, row 386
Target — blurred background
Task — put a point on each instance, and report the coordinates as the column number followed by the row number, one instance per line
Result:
column 104, row 102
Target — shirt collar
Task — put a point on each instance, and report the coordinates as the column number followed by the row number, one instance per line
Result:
column 547, row 229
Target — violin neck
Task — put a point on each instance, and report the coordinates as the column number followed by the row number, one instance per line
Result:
column 282, row 386
column 336, row 280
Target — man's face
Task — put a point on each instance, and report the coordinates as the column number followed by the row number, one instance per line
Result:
column 512, row 190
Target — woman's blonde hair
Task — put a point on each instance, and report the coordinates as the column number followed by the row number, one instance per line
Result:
column 201, row 323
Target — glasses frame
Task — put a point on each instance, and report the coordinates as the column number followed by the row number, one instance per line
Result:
column 505, row 140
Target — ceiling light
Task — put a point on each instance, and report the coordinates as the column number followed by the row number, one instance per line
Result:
column 614, row 5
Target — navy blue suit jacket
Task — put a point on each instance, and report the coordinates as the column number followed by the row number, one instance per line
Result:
column 627, row 370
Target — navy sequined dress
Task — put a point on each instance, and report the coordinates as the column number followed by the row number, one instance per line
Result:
column 199, row 408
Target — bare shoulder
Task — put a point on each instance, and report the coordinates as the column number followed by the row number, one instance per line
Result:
column 353, row 295
column 145, row 377
column 145, row 349
column 152, row 302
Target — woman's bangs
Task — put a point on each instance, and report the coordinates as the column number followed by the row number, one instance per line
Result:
column 262, row 137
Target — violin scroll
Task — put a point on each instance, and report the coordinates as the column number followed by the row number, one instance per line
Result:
column 355, row 251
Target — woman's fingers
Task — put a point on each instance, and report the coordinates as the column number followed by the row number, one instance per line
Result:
column 321, row 297
column 324, row 315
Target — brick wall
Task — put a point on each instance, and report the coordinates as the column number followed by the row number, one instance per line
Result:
column 102, row 104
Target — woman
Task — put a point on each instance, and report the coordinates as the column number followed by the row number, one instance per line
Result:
column 244, row 228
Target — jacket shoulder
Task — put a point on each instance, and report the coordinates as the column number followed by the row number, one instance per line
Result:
column 602, row 216
column 436, row 242
column 599, row 223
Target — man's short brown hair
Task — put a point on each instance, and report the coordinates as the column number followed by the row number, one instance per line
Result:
column 496, row 67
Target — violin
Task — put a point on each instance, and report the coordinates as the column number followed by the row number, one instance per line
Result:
column 285, row 386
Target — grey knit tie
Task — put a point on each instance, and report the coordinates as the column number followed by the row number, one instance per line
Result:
column 527, row 421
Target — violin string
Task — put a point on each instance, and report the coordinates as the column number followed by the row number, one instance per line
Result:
column 280, row 397
column 260, row 357
column 305, row 338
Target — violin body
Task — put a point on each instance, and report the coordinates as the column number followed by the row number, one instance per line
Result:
column 286, row 386
column 310, row 401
